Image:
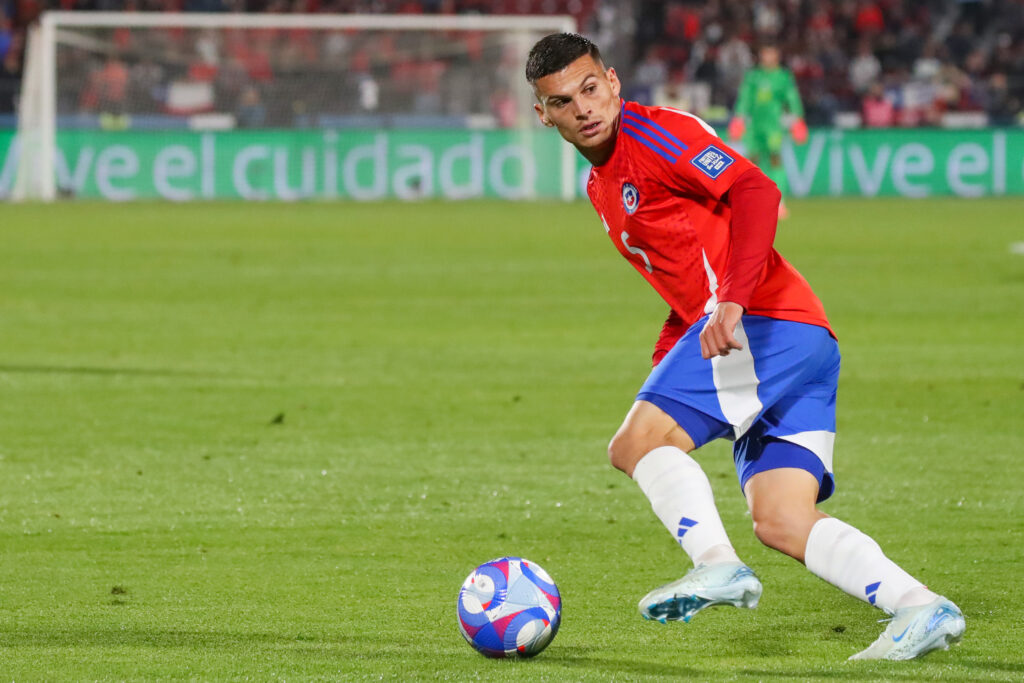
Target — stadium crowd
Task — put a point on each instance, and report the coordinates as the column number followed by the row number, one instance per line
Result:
column 889, row 62
column 857, row 62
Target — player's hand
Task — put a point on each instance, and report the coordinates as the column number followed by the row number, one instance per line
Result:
column 718, row 336
column 737, row 127
column 799, row 132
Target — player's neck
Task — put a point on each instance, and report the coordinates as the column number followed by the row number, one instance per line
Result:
column 599, row 156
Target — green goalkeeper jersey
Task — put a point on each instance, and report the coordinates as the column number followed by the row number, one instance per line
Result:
column 765, row 94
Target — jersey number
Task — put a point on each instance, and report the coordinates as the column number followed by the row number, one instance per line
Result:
column 624, row 236
column 636, row 250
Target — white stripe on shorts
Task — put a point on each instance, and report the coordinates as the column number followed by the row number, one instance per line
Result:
column 818, row 442
column 712, row 284
column 736, row 384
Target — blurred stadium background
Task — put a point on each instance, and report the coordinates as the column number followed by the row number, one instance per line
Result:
column 916, row 98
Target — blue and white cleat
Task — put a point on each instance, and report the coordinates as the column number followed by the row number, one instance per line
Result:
column 727, row 583
column 916, row 631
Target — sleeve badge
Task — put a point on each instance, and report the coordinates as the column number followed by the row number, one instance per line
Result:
column 712, row 161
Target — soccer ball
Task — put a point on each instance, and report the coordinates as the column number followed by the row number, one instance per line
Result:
column 509, row 607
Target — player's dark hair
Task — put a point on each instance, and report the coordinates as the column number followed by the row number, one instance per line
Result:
column 555, row 52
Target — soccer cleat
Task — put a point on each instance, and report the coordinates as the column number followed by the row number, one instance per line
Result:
column 916, row 631
column 727, row 583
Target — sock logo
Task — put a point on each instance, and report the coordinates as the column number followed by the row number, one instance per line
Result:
column 871, row 590
column 685, row 524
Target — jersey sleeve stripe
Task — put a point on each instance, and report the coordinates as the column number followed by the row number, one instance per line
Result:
column 670, row 140
column 640, row 137
column 702, row 122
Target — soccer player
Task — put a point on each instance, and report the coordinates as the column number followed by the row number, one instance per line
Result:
column 767, row 94
column 746, row 354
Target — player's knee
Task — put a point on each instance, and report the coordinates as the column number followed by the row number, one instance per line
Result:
column 631, row 443
column 779, row 528
column 644, row 429
column 622, row 451
column 770, row 531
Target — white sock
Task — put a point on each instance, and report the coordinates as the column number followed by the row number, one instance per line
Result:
column 853, row 562
column 681, row 496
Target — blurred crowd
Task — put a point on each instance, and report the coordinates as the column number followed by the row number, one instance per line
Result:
column 283, row 78
column 874, row 63
column 878, row 62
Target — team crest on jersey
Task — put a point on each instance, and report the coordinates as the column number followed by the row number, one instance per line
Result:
column 630, row 197
column 712, row 161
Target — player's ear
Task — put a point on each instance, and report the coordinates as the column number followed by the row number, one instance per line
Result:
column 542, row 116
column 613, row 78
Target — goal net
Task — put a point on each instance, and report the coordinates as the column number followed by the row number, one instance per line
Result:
column 125, row 106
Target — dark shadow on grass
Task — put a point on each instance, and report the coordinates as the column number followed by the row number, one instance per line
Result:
column 575, row 661
column 629, row 667
column 858, row 671
column 169, row 638
column 106, row 372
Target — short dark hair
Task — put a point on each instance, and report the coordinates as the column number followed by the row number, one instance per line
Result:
column 555, row 52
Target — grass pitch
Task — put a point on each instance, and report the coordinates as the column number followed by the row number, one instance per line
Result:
column 262, row 442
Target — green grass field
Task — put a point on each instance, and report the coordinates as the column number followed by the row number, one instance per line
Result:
column 268, row 442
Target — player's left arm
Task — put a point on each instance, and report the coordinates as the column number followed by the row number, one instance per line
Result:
column 754, row 200
column 710, row 168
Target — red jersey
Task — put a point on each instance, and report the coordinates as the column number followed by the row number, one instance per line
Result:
column 662, row 198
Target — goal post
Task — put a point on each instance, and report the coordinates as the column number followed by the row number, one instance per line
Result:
column 129, row 105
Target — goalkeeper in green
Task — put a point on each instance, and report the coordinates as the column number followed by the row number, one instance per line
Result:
column 767, row 100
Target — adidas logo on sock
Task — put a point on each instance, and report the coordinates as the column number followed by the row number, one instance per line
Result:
column 685, row 524
column 871, row 590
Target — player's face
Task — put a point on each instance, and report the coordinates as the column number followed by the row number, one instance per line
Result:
column 769, row 57
column 582, row 102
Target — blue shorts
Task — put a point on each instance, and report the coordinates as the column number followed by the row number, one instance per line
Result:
column 776, row 397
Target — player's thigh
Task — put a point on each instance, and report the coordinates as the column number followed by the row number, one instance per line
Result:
column 725, row 395
column 797, row 428
column 683, row 387
column 782, row 507
column 790, row 360
column 780, row 492
column 758, row 453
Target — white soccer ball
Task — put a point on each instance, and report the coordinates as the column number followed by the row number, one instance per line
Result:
column 509, row 607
